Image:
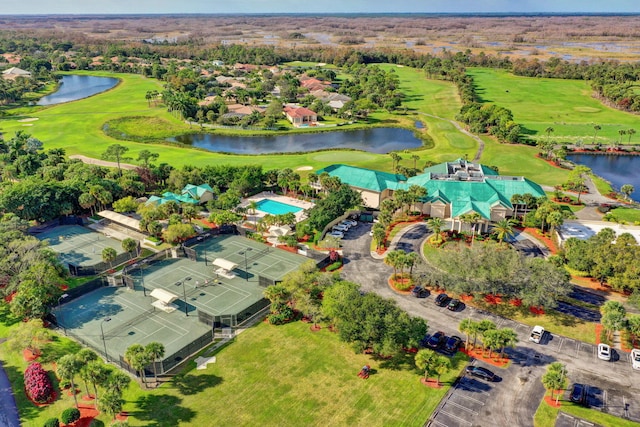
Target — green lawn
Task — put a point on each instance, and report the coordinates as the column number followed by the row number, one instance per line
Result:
column 546, row 415
column 284, row 376
column 629, row 215
column 565, row 105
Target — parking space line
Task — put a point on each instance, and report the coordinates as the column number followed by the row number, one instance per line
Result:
column 604, row 400
column 438, row 422
column 464, row 408
column 471, row 398
column 560, row 345
column 456, row 417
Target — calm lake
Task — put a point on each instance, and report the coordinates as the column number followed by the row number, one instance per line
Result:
column 74, row 87
column 618, row 170
column 376, row 140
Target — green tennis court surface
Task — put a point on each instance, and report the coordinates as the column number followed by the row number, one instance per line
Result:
column 195, row 289
column 78, row 245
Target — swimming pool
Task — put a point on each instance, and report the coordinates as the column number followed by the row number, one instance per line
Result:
column 276, row 208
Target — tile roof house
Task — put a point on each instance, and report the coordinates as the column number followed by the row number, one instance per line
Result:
column 15, row 72
column 300, row 116
column 453, row 189
column 194, row 194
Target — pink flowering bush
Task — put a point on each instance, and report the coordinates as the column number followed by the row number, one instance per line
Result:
column 37, row 383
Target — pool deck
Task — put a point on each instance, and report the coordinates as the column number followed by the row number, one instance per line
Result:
column 277, row 198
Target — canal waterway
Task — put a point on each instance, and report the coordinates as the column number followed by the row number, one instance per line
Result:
column 74, row 87
column 618, row 170
column 375, row 140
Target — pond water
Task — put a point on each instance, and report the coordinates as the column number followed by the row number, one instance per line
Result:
column 376, row 140
column 618, row 170
column 74, row 87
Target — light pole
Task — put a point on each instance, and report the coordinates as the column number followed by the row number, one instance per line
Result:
column 104, row 342
column 184, row 292
column 59, row 314
column 246, row 265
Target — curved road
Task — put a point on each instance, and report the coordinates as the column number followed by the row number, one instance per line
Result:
column 8, row 409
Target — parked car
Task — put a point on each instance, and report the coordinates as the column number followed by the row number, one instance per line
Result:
column 419, row 292
column 453, row 344
column 350, row 222
column 635, row 358
column 340, row 227
column 436, row 340
column 454, row 304
column 480, row 372
column 604, row 352
column 536, row 334
column 578, row 393
column 441, row 299
column 336, row 233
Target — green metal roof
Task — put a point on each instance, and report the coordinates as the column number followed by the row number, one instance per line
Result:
column 367, row 179
column 196, row 191
column 465, row 195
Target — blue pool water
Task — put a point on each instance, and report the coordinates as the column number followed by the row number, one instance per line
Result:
column 276, row 208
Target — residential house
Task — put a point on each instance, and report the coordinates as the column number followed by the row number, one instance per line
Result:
column 15, row 72
column 300, row 116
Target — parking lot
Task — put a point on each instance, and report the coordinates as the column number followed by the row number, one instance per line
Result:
column 606, row 395
column 566, row 420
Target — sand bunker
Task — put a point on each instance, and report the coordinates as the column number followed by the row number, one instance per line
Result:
column 305, row 168
column 30, row 119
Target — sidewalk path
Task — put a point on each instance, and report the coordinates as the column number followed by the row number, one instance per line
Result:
column 92, row 161
column 8, row 409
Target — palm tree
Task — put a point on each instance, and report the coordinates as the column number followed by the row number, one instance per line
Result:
column 627, row 189
column 155, row 351
column 415, row 159
column 395, row 259
column 68, row 366
column 109, row 255
column 508, row 338
column 436, row 224
column 441, row 364
column 118, row 381
column 503, row 229
column 549, row 131
column 467, row 326
column 85, row 356
column 136, row 357
column 596, row 128
column 111, row 403
column 96, row 372
column 621, row 132
column 129, row 245
column 424, row 360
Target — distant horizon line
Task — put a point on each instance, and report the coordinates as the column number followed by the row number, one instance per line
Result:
column 465, row 14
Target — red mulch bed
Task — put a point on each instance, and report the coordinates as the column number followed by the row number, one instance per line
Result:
column 87, row 414
column 516, row 302
column 430, row 383
column 536, row 310
column 598, row 332
column 88, row 397
column 122, row 416
column 552, row 402
column 29, row 356
column 315, row 328
column 493, row 299
column 392, row 284
column 547, row 241
column 9, row 298
column 466, row 297
column 495, row 359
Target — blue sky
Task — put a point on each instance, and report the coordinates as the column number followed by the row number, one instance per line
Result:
column 323, row 6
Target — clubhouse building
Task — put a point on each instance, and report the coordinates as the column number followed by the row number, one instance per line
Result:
column 453, row 189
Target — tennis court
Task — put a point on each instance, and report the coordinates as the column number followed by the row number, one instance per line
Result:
column 78, row 245
column 197, row 295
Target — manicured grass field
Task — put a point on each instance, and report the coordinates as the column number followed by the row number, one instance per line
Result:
column 271, row 376
column 565, row 105
column 78, row 128
column 629, row 215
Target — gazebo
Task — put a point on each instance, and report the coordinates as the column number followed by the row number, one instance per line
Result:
column 225, row 268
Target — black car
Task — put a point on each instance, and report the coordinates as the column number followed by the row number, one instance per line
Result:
column 453, row 344
column 442, row 299
column 480, row 372
column 436, row 340
column 419, row 292
column 453, row 304
column 578, row 393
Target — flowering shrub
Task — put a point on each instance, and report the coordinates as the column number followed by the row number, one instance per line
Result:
column 37, row 383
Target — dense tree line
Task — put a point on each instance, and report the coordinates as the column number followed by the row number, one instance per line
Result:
column 498, row 269
column 606, row 258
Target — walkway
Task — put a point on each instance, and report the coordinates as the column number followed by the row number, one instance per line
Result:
column 98, row 162
column 8, row 409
